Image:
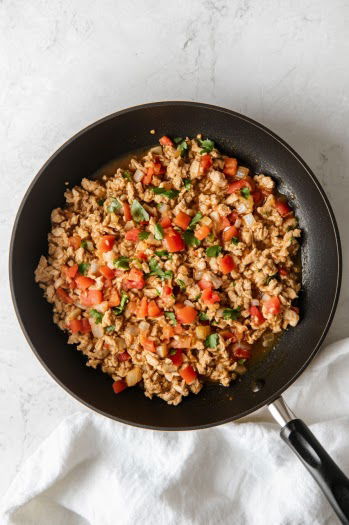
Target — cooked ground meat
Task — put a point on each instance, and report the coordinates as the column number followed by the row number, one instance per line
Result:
column 167, row 273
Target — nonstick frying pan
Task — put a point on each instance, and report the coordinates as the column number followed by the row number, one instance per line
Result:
column 258, row 148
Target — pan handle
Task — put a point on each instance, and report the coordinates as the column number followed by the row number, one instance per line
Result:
column 332, row 481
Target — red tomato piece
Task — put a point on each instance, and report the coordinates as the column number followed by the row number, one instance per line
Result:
column 114, row 298
column 74, row 326
column 147, row 343
column 165, row 141
column 85, row 326
column 72, row 271
column 127, row 211
column 242, row 351
column 173, row 242
column 182, row 220
column 257, row 315
column 233, row 216
column 230, row 167
column 226, row 334
column 202, row 232
column 209, row 296
column 238, row 185
column 227, row 264
column 283, row 271
column 185, row 314
column 83, row 282
column 142, row 310
column 75, row 242
column 188, row 373
column 124, row 356
column 153, row 309
column 167, row 291
column 91, row 298
column 257, row 197
column 205, row 284
column 64, row 296
column 229, row 233
column 283, row 208
column 223, row 223
column 148, row 176
column 168, row 331
column 107, row 272
column 177, row 357
column 132, row 235
column 159, row 169
column 119, row 386
column 135, row 280
column 206, row 162
column 106, row 243
column 165, row 222
column 273, row 305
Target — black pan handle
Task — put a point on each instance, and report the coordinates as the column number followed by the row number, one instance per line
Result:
column 330, row 478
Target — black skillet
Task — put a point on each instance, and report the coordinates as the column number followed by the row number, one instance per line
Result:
column 258, row 148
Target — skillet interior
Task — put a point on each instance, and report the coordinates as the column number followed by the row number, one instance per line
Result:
column 259, row 149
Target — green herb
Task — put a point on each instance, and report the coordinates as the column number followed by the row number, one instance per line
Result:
column 190, row 239
column 182, row 148
column 197, row 218
column 241, row 361
column 231, row 313
column 207, row 145
column 197, row 297
column 171, row 316
column 270, row 277
column 235, row 240
column 83, row 244
column 143, row 235
column 123, row 302
column 171, row 194
column 181, row 284
column 213, row 251
column 122, row 262
column 83, row 268
column 177, row 140
column 211, row 237
column 156, row 270
column 114, row 206
column 158, row 292
column 203, row 316
column 245, row 192
column 127, row 175
column 173, row 351
column 109, row 329
column 211, row 341
column 187, row 184
column 138, row 212
column 100, row 202
column 158, row 232
column 163, row 253
column 97, row 316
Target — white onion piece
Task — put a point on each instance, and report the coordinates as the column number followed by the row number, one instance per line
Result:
column 188, row 303
column 144, row 326
column 265, row 297
column 157, row 150
column 215, row 216
column 81, row 306
column 226, row 229
column 90, row 246
column 94, row 266
column 138, row 175
column 163, row 207
column 237, row 223
column 242, row 172
column 241, row 208
column 255, row 302
column 97, row 329
column 102, row 307
column 131, row 329
column 206, row 220
column 249, row 219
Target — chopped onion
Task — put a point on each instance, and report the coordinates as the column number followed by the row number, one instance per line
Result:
column 163, row 207
column 249, row 219
column 255, row 302
column 157, row 150
column 241, row 208
column 97, row 329
column 242, row 172
column 206, row 220
column 94, row 266
column 102, row 307
column 131, row 329
column 265, row 297
column 162, row 350
column 90, row 246
column 144, row 326
column 215, row 216
column 188, row 303
column 237, row 223
column 138, row 175
column 133, row 376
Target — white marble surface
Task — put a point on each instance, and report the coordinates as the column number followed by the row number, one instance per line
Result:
column 64, row 64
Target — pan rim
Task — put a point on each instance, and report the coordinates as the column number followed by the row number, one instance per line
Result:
column 297, row 157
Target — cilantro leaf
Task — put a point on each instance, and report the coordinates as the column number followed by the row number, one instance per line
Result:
column 100, row 202
column 207, row 146
column 143, row 235
column 158, row 232
column 83, row 268
column 138, row 212
column 270, row 277
column 177, row 140
column 231, row 313
column 114, row 206
column 203, row 316
column 83, row 244
column 170, row 194
column 241, row 361
column 123, row 302
column 109, row 329
column 213, row 251
column 97, row 316
column 171, row 316
column 212, row 341
column 163, row 253
column 245, row 192
column 187, row 184
column 127, row 175
column 122, row 263
column 190, row 239
column 182, row 147
column 156, row 270
column 197, row 218
column 181, row 284
column 235, row 240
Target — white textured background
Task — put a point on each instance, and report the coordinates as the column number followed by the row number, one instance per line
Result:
column 66, row 63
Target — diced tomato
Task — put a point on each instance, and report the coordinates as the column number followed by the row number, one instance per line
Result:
column 177, row 357
column 106, row 243
column 168, row 331
column 135, row 280
column 107, row 272
column 91, row 298
column 75, row 242
column 72, row 271
column 188, row 373
column 257, row 315
column 153, row 309
column 182, row 220
column 72, row 285
column 132, row 235
column 233, row 216
column 114, row 298
column 238, row 185
column 229, row 233
column 167, row 291
column 223, row 223
column 148, row 176
column 165, row 141
column 257, row 197
column 226, row 334
column 202, row 232
column 85, row 326
column 230, row 167
column 147, row 343
column 132, row 307
column 273, row 305
column 185, row 314
column 209, row 296
column 64, row 296
column 74, row 326
column 206, row 162
column 83, row 282
column 165, row 222
column 283, row 208
column 242, row 351
column 227, row 264
column 142, row 255
column 159, row 169
column 205, row 284
column 142, row 310
column 178, row 329
column 173, row 242
column 124, row 356
column 119, row 386
column 282, row 271
column 127, row 211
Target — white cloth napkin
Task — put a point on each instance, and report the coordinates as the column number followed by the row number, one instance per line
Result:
column 93, row 471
